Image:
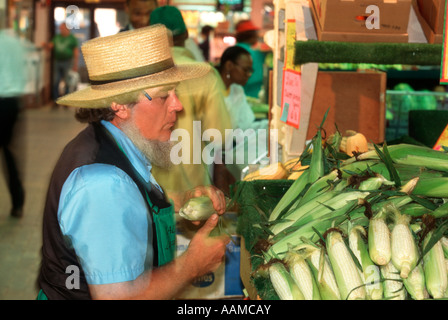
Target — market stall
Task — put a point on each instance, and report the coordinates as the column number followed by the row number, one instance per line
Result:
column 350, row 211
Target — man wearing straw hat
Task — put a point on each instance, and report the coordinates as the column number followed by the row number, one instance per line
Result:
column 108, row 229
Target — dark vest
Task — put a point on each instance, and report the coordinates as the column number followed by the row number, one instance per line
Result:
column 93, row 145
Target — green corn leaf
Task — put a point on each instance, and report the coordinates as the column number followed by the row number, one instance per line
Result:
column 385, row 157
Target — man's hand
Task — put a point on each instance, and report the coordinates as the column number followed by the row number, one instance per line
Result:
column 206, row 253
column 216, row 195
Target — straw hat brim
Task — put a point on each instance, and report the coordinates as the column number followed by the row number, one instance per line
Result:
column 102, row 96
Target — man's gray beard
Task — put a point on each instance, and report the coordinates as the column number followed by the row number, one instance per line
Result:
column 157, row 152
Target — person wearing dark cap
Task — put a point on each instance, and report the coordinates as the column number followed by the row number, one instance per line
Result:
column 203, row 103
column 246, row 34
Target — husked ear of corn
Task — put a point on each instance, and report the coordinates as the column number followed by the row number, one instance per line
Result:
column 435, row 269
column 199, row 208
column 297, row 173
column 283, row 284
column 404, row 253
column 345, row 270
column 292, row 164
column 393, row 284
column 274, row 171
column 379, row 239
column 302, row 275
column 370, row 273
column 323, row 273
column 415, row 283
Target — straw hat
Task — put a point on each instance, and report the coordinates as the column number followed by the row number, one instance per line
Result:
column 122, row 65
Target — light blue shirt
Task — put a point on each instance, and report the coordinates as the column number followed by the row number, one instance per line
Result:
column 12, row 65
column 105, row 218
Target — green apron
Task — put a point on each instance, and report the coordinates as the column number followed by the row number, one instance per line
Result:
column 165, row 225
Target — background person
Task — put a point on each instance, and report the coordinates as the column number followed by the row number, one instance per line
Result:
column 105, row 213
column 12, row 88
column 139, row 12
column 247, row 34
column 235, row 69
column 202, row 100
column 65, row 58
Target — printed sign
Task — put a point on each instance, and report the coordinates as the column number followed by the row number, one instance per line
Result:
column 444, row 66
column 292, row 83
column 442, row 141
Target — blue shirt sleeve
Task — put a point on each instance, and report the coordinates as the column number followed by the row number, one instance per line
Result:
column 104, row 216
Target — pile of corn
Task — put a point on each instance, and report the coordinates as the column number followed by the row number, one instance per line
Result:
column 371, row 226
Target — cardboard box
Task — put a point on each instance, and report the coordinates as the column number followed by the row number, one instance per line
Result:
column 246, row 271
column 356, row 101
column 225, row 282
column 434, row 12
column 345, row 20
column 351, row 15
column 430, row 14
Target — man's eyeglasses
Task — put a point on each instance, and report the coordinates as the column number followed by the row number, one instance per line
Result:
column 147, row 95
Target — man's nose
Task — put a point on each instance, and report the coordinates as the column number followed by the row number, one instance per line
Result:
column 176, row 105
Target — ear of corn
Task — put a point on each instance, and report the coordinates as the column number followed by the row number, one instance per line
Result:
column 374, row 183
column 292, row 216
column 283, row 284
column 323, row 273
column 273, row 171
column 393, row 284
column 317, row 164
column 444, row 242
column 404, row 252
column 302, row 275
column 199, row 208
column 345, row 270
column 335, row 202
column 412, row 155
column 434, row 188
column 435, row 269
column 379, row 240
column 409, row 186
column 441, row 211
column 294, row 190
column 292, row 164
column 296, row 174
column 415, row 283
column 319, row 187
column 370, row 273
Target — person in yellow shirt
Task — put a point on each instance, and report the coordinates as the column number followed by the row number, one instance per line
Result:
column 203, row 101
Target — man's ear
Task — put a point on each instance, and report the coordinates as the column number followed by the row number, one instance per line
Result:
column 121, row 110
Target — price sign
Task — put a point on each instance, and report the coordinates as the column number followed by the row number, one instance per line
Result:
column 292, row 81
column 444, row 63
